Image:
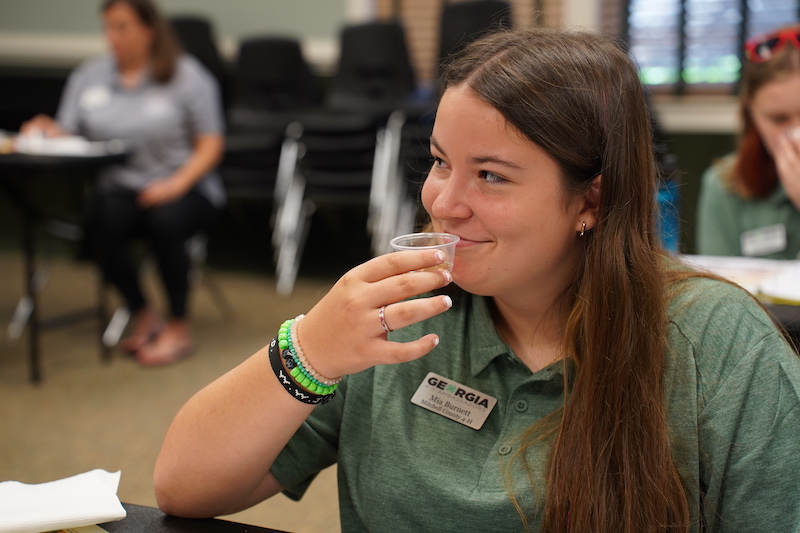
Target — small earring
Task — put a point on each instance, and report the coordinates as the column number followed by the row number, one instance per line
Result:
column 583, row 228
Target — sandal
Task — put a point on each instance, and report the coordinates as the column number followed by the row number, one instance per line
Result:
column 164, row 353
column 139, row 339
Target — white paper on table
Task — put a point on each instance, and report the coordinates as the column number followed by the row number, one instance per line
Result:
column 783, row 287
column 68, row 145
column 86, row 499
column 773, row 280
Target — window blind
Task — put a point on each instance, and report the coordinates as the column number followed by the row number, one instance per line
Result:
column 693, row 46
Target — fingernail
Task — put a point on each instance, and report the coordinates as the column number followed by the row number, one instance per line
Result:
column 436, row 341
column 448, row 276
column 440, row 255
column 447, row 301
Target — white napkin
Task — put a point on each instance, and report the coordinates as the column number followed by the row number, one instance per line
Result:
column 82, row 500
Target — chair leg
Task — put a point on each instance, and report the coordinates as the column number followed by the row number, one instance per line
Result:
column 286, row 237
column 291, row 250
column 24, row 309
column 116, row 327
column 197, row 247
column 221, row 302
column 102, row 318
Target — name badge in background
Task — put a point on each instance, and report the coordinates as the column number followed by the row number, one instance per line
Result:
column 453, row 400
column 95, row 97
column 763, row 241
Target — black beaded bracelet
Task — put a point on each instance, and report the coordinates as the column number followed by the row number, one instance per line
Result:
column 288, row 383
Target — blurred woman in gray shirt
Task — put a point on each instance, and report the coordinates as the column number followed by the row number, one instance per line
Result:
column 167, row 107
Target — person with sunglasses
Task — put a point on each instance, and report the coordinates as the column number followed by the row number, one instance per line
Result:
column 749, row 203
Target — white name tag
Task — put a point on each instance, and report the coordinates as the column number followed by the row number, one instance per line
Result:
column 95, row 97
column 453, row 400
column 763, row 241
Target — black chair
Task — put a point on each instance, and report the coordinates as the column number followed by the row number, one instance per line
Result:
column 196, row 35
column 197, row 250
column 406, row 141
column 460, row 23
column 271, row 84
column 463, row 22
column 337, row 144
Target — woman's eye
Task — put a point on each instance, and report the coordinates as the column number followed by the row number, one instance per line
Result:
column 779, row 119
column 491, row 177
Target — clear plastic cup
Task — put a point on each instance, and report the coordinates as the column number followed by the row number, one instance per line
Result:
column 445, row 242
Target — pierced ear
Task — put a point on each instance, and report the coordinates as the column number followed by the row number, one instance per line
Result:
column 591, row 203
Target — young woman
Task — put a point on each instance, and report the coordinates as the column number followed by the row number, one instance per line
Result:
column 750, row 201
column 168, row 107
column 572, row 378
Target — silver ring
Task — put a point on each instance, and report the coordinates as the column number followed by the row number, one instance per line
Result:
column 382, row 316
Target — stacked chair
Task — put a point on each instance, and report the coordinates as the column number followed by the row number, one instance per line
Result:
column 406, row 139
column 196, row 34
column 339, row 144
column 271, row 85
column 463, row 22
column 364, row 146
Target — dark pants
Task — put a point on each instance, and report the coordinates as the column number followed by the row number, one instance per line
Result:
column 118, row 221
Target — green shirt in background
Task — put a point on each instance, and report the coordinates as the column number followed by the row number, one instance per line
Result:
column 723, row 215
column 733, row 399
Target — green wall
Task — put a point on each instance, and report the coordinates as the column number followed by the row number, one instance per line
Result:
column 232, row 18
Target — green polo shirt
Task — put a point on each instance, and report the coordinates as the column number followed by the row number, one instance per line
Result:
column 733, row 406
column 723, row 215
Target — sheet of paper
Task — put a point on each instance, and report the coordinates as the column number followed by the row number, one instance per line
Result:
column 84, row 529
column 772, row 280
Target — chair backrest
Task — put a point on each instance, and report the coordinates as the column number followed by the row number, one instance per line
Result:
column 196, row 34
column 271, row 74
column 463, row 22
column 373, row 69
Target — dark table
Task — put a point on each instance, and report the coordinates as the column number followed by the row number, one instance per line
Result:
column 142, row 519
column 18, row 171
column 788, row 318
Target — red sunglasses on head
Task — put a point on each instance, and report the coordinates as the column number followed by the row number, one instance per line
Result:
column 764, row 47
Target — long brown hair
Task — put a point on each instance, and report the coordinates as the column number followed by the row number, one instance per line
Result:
column 754, row 174
column 165, row 49
column 578, row 96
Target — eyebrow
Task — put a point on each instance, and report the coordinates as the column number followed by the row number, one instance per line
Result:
column 482, row 159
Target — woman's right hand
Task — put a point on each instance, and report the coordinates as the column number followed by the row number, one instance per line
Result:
column 343, row 334
column 787, row 162
column 41, row 124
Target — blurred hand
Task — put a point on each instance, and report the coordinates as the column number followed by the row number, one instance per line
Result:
column 787, row 161
column 161, row 192
column 41, row 125
column 342, row 334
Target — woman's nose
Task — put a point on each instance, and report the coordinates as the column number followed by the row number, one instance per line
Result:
column 450, row 199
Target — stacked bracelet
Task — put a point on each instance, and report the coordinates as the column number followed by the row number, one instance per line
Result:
column 302, row 362
column 295, row 368
column 288, row 383
column 296, row 363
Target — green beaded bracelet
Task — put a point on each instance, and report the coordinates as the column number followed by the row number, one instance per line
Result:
column 291, row 387
column 297, row 364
